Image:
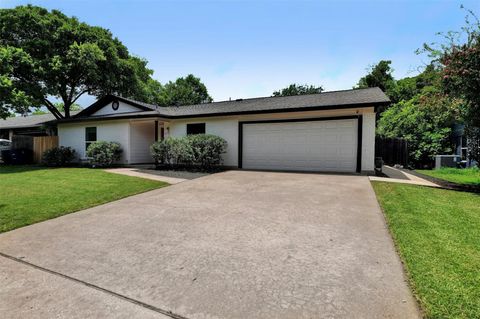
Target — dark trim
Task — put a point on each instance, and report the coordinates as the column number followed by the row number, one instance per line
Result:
column 240, row 144
column 156, row 131
column 82, row 116
column 359, row 143
column 108, row 118
column 314, row 119
column 268, row 111
column 331, row 118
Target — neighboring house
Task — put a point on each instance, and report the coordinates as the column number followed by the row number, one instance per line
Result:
column 330, row 131
column 31, row 125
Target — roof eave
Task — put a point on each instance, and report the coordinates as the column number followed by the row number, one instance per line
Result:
column 375, row 105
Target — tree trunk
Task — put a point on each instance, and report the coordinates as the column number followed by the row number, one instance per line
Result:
column 67, row 110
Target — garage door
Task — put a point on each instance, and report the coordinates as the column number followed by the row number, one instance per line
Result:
column 322, row 145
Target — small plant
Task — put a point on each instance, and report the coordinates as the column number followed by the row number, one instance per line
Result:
column 202, row 150
column 103, row 154
column 58, row 156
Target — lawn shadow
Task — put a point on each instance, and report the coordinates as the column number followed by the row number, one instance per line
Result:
column 12, row 169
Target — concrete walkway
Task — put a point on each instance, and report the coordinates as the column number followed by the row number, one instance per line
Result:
column 236, row 244
column 400, row 176
column 148, row 174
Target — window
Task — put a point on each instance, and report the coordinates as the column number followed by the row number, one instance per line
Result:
column 90, row 136
column 196, row 128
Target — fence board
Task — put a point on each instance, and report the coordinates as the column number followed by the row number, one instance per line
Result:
column 392, row 150
column 41, row 144
column 22, row 141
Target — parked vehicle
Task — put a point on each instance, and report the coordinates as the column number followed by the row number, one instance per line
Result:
column 5, row 145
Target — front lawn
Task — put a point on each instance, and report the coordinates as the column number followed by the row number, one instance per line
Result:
column 437, row 233
column 468, row 176
column 32, row 194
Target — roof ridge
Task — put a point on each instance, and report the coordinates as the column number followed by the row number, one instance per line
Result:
column 269, row 97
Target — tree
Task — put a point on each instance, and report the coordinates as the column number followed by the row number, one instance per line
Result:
column 462, row 77
column 74, row 107
column 459, row 56
column 59, row 106
column 45, row 55
column 407, row 88
column 187, row 90
column 298, row 89
column 379, row 75
column 425, row 121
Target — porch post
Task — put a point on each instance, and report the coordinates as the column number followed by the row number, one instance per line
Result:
column 156, row 139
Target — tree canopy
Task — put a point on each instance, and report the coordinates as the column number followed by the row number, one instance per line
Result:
column 379, row 75
column 45, row 55
column 298, row 89
column 187, row 90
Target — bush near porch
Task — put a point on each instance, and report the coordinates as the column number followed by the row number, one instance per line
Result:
column 200, row 150
column 103, row 154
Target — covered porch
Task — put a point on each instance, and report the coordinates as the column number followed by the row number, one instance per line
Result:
column 142, row 133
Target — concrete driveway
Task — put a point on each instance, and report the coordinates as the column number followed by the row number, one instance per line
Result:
column 237, row 244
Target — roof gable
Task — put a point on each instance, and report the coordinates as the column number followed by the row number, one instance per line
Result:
column 103, row 106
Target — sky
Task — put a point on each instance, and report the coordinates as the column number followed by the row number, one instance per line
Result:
column 243, row 49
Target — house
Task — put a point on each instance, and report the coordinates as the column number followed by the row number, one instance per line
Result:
column 330, row 131
column 30, row 125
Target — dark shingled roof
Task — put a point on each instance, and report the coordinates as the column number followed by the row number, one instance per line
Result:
column 27, row 121
column 321, row 101
column 332, row 100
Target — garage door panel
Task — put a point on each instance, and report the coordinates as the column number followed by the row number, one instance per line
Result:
column 307, row 146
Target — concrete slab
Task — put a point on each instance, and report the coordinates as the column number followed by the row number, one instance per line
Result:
column 27, row 292
column 236, row 244
column 146, row 174
column 395, row 175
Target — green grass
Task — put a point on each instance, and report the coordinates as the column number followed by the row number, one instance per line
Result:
column 437, row 233
column 33, row 194
column 469, row 176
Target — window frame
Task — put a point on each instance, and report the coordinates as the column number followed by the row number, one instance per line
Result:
column 87, row 140
column 194, row 127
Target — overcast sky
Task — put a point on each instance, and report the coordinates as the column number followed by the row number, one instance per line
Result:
column 244, row 49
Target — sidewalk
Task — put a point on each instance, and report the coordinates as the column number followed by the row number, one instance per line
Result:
column 399, row 176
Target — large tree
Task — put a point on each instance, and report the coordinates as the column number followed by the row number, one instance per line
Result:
column 45, row 56
column 425, row 121
column 298, row 89
column 379, row 75
column 187, row 90
column 458, row 54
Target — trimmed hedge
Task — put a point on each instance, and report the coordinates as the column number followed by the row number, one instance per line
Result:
column 103, row 154
column 202, row 150
column 58, row 156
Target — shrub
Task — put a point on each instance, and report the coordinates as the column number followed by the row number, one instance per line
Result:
column 58, row 156
column 103, row 154
column 173, row 151
column 198, row 150
column 207, row 149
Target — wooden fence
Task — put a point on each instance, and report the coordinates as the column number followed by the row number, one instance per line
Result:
column 41, row 144
column 392, row 150
column 22, row 141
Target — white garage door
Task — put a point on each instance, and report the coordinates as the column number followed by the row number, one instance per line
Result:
column 301, row 146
